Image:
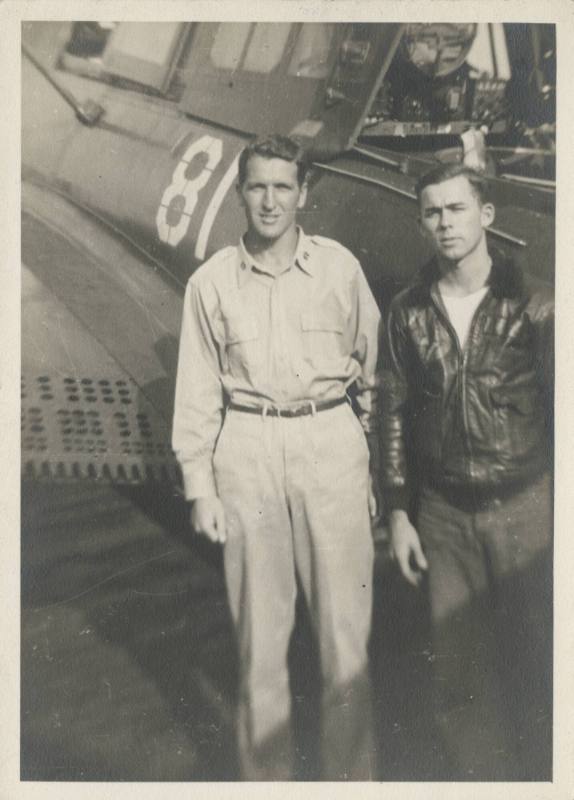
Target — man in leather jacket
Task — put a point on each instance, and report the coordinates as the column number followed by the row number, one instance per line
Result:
column 466, row 462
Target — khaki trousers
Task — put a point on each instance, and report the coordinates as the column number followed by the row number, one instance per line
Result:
column 295, row 495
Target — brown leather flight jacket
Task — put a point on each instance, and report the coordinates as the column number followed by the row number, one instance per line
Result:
column 477, row 419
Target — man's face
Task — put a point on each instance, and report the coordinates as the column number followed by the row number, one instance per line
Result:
column 271, row 196
column 453, row 218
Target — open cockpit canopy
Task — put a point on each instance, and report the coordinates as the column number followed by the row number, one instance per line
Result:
column 330, row 83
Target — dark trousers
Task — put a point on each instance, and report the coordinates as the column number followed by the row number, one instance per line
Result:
column 490, row 585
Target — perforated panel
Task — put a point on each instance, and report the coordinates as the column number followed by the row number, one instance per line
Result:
column 102, row 428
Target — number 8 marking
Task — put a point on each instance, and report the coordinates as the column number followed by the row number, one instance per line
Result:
column 186, row 189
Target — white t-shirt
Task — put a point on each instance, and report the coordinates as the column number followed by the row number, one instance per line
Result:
column 461, row 311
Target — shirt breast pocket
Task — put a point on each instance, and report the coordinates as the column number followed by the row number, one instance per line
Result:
column 243, row 344
column 322, row 333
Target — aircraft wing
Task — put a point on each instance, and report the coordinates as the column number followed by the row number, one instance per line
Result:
column 99, row 348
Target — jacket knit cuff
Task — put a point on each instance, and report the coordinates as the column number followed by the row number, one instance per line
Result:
column 396, row 498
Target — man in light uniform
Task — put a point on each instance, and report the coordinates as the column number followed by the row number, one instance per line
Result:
column 466, row 423
column 275, row 462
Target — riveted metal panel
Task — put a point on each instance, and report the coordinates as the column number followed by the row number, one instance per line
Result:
column 81, row 427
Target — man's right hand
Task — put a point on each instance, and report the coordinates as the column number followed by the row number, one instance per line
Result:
column 208, row 517
column 406, row 547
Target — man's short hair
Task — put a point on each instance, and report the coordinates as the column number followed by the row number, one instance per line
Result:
column 444, row 172
column 275, row 146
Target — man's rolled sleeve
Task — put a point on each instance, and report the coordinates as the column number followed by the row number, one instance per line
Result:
column 198, row 405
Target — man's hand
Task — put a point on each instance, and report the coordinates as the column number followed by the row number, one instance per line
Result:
column 406, row 547
column 208, row 517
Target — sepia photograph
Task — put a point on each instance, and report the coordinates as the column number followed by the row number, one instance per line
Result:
column 287, row 381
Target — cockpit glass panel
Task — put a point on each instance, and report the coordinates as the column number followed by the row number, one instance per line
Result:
column 503, row 68
column 229, row 44
column 237, row 75
column 149, row 41
column 488, row 56
column 480, row 58
column 311, row 55
column 143, row 52
column 267, row 46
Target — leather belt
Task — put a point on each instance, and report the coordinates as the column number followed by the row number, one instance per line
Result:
column 308, row 407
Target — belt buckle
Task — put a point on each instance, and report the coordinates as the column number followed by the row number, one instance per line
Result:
column 302, row 410
column 305, row 409
column 298, row 411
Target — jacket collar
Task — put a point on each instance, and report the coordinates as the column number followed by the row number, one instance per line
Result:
column 506, row 279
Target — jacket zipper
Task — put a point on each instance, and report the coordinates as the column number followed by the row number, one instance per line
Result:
column 462, row 361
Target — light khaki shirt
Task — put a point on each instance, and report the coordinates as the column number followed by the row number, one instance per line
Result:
column 255, row 338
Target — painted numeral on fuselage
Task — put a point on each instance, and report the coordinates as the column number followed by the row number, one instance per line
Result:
column 180, row 198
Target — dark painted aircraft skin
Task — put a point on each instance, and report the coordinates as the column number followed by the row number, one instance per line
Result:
column 152, row 167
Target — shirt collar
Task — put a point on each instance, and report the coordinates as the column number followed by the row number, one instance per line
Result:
column 302, row 259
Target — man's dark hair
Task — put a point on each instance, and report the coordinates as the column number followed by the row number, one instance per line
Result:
column 444, row 172
column 275, row 146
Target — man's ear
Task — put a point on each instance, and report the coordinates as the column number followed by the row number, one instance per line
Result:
column 421, row 228
column 487, row 214
column 303, row 195
column 239, row 194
